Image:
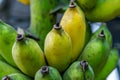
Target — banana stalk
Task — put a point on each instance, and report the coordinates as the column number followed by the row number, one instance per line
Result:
column 41, row 20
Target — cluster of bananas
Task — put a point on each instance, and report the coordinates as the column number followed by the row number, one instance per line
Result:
column 71, row 50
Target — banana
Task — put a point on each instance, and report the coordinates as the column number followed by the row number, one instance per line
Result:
column 110, row 65
column 73, row 22
column 58, row 48
column 16, row 76
column 86, row 4
column 1, row 58
column 27, row 54
column 79, row 70
column 7, row 38
column 96, row 52
column 6, row 69
column 104, row 11
column 41, row 19
column 107, row 33
column 48, row 73
column 26, row 2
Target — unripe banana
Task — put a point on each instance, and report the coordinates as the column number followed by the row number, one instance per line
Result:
column 87, row 4
column 7, row 38
column 16, row 76
column 73, row 22
column 6, row 69
column 110, row 65
column 104, row 11
column 96, row 52
column 108, row 35
column 48, row 73
column 79, row 70
column 27, row 55
column 58, row 48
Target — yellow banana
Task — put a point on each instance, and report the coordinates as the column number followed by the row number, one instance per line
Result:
column 26, row 2
column 73, row 22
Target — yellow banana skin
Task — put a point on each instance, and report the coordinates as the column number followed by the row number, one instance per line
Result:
column 48, row 73
column 110, row 65
column 7, row 38
column 104, row 11
column 58, row 48
column 26, row 2
column 73, row 22
column 27, row 55
column 6, row 69
column 16, row 76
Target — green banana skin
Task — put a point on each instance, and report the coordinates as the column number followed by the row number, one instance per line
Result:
column 108, row 34
column 96, row 52
column 6, row 69
column 86, row 5
column 110, row 65
column 58, row 48
column 75, row 72
column 7, row 38
column 41, row 19
column 16, row 76
column 48, row 73
column 104, row 11
column 27, row 55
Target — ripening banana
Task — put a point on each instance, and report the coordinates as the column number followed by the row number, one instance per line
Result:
column 74, row 23
column 107, row 33
column 109, row 66
column 27, row 55
column 104, row 11
column 58, row 48
column 7, row 38
column 47, row 73
column 16, row 76
column 6, row 69
column 79, row 70
column 96, row 52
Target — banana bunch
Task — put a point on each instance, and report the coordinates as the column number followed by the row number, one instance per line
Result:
column 68, row 50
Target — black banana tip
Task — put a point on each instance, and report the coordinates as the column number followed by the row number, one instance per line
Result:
column 57, row 26
column 102, row 34
column 44, row 70
column 72, row 4
column 84, row 65
column 6, row 78
column 20, row 37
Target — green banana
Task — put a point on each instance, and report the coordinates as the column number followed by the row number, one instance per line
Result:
column 74, row 23
column 27, row 55
column 48, row 73
column 79, row 70
column 1, row 58
column 96, row 52
column 6, row 69
column 58, row 48
column 41, row 20
column 104, row 11
column 107, row 33
column 16, row 76
column 110, row 65
column 87, row 4
column 7, row 38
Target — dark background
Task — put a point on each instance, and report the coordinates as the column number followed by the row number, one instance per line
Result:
column 18, row 15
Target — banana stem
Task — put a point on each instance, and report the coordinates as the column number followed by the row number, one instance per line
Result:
column 41, row 20
column 44, row 70
column 84, row 65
